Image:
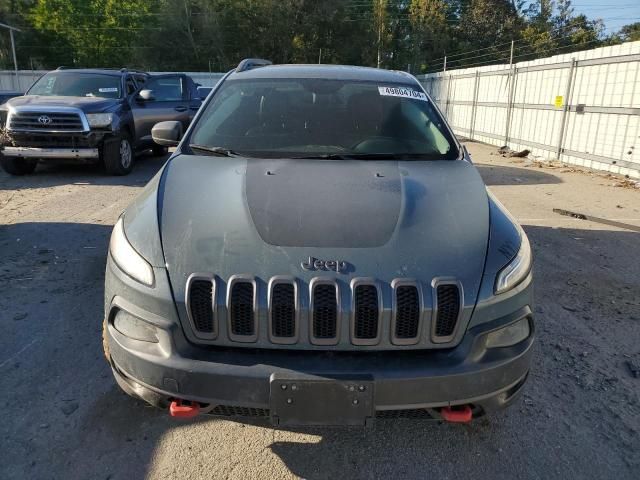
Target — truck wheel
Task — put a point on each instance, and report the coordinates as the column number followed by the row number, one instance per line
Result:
column 159, row 150
column 18, row 166
column 118, row 155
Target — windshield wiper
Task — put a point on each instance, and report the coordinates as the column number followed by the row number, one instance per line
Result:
column 219, row 151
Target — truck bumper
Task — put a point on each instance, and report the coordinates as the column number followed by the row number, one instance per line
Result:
column 412, row 384
column 37, row 152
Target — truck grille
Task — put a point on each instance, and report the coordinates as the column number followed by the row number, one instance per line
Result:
column 312, row 318
column 46, row 121
column 448, row 311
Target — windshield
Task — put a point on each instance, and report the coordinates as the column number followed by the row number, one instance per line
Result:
column 73, row 84
column 316, row 117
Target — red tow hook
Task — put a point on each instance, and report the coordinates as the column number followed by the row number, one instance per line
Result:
column 178, row 410
column 457, row 414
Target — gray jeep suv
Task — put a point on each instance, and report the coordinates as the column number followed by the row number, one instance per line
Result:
column 319, row 250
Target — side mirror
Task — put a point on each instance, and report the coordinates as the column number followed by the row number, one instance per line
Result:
column 167, row 133
column 145, row 95
column 203, row 92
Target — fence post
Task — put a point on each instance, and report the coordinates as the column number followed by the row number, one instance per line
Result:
column 448, row 99
column 565, row 108
column 512, row 91
column 474, row 106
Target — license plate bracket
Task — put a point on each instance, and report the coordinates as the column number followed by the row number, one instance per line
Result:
column 319, row 400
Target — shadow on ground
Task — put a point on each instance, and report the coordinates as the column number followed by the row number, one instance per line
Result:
column 501, row 175
column 52, row 174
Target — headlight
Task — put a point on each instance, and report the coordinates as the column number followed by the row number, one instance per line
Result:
column 510, row 335
column 125, row 256
column 98, row 120
column 518, row 268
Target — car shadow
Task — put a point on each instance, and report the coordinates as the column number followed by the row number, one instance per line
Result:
column 64, row 417
column 51, row 174
column 502, row 175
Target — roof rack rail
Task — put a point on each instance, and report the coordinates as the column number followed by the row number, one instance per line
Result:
column 251, row 63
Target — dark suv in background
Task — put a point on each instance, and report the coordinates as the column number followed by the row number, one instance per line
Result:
column 92, row 116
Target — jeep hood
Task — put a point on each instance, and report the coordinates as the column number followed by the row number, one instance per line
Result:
column 386, row 219
column 86, row 104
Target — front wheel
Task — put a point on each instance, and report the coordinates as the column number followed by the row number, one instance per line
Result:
column 18, row 165
column 118, row 155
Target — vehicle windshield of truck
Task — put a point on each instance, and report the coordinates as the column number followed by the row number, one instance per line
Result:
column 73, row 84
column 320, row 118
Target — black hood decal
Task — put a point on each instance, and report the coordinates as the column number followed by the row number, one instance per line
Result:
column 308, row 203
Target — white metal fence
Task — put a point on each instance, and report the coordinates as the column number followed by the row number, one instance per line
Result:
column 582, row 108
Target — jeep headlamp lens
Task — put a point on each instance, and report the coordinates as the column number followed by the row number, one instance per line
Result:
column 125, row 256
column 517, row 269
column 509, row 335
column 98, row 120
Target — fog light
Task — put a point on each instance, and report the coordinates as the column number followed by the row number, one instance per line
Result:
column 133, row 327
column 507, row 336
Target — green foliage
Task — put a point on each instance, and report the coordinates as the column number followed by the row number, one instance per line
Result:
column 192, row 35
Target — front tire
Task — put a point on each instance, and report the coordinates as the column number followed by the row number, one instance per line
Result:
column 118, row 155
column 17, row 165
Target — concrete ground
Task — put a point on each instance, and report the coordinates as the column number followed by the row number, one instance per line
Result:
column 64, row 418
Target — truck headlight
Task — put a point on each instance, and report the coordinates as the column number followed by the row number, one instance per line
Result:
column 99, row 120
column 125, row 256
column 517, row 269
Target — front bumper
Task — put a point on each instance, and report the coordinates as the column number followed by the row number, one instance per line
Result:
column 38, row 152
column 239, row 381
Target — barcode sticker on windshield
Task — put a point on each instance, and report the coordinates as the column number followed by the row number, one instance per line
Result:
column 402, row 92
column 108, row 89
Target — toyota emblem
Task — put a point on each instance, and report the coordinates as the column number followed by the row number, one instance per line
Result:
column 44, row 120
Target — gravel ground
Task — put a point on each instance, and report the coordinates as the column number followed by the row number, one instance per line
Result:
column 64, row 417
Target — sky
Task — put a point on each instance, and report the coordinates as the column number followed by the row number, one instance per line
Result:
column 615, row 13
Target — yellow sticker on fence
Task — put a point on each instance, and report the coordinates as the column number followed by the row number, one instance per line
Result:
column 558, row 102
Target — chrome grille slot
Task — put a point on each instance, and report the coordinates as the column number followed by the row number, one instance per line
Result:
column 447, row 311
column 46, row 121
column 324, row 313
column 242, row 310
column 366, row 312
column 283, row 315
column 200, row 303
column 406, row 314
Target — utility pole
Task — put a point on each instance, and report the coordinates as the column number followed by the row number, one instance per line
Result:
column 320, row 57
column 13, row 50
column 445, row 64
column 511, row 56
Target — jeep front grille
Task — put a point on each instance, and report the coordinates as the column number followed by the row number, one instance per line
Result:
column 242, row 319
column 324, row 310
column 283, row 312
column 447, row 311
column 366, row 314
column 200, row 305
column 407, row 314
column 45, row 121
column 325, row 313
